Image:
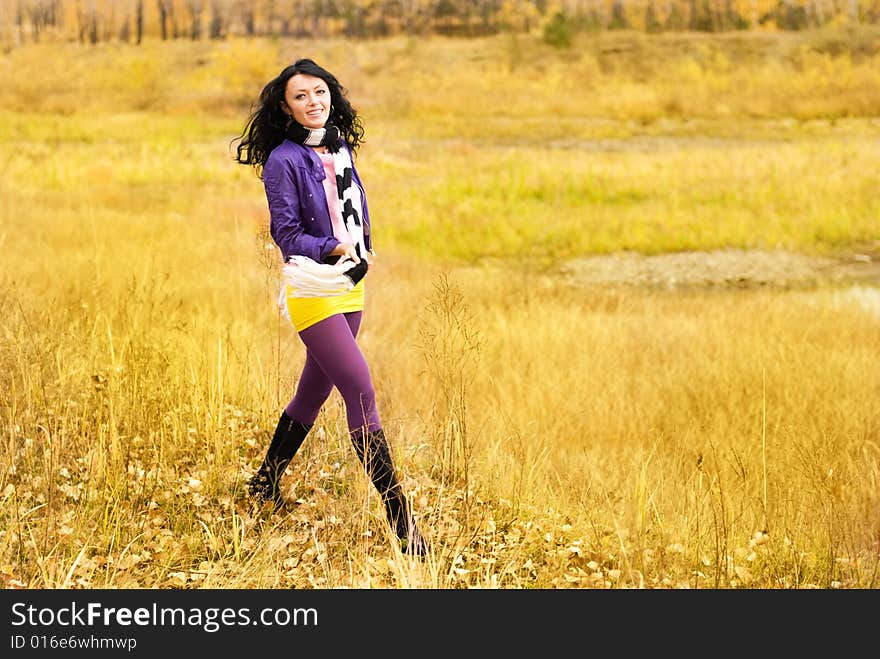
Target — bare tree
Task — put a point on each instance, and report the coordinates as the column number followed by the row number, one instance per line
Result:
column 163, row 19
column 219, row 19
column 19, row 21
column 139, row 21
column 248, row 18
column 194, row 8
column 125, row 28
column 92, row 26
column 44, row 16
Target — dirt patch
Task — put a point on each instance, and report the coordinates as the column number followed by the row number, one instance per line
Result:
column 728, row 268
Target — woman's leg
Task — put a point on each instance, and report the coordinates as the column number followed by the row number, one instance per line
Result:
column 335, row 355
column 372, row 450
column 332, row 344
column 295, row 422
column 314, row 385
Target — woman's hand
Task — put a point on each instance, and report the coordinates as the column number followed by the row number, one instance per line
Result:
column 346, row 251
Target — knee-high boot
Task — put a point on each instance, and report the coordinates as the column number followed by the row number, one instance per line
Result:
column 373, row 452
column 288, row 437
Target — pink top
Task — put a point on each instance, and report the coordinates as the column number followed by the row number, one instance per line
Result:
column 339, row 231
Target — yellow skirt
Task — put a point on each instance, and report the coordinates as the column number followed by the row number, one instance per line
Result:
column 306, row 311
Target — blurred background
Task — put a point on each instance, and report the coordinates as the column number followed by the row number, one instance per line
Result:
column 623, row 322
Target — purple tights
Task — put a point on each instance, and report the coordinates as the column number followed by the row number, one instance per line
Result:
column 333, row 358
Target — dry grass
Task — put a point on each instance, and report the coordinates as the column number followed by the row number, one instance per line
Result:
column 549, row 436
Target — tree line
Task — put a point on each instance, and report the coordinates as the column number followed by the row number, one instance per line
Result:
column 93, row 21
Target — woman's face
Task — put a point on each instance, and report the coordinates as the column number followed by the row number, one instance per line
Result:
column 308, row 100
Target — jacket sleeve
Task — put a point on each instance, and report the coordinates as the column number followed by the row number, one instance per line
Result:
column 285, row 223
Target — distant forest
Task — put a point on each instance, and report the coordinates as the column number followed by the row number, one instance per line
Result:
column 93, row 21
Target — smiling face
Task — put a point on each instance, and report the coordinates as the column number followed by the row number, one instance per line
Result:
column 308, row 99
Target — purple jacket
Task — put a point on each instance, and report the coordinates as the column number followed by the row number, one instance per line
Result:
column 299, row 216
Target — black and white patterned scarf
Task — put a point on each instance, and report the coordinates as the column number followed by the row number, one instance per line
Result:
column 350, row 201
column 327, row 136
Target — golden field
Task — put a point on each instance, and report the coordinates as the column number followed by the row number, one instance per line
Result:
column 550, row 435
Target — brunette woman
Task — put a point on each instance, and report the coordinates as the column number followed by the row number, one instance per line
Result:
column 301, row 140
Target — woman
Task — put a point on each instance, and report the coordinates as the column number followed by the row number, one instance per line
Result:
column 301, row 140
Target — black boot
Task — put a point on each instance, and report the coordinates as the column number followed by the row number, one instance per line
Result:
column 288, row 437
column 372, row 450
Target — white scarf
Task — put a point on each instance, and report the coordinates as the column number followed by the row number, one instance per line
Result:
column 303, row 277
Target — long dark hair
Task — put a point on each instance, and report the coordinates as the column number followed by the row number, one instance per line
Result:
column 266, row 125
